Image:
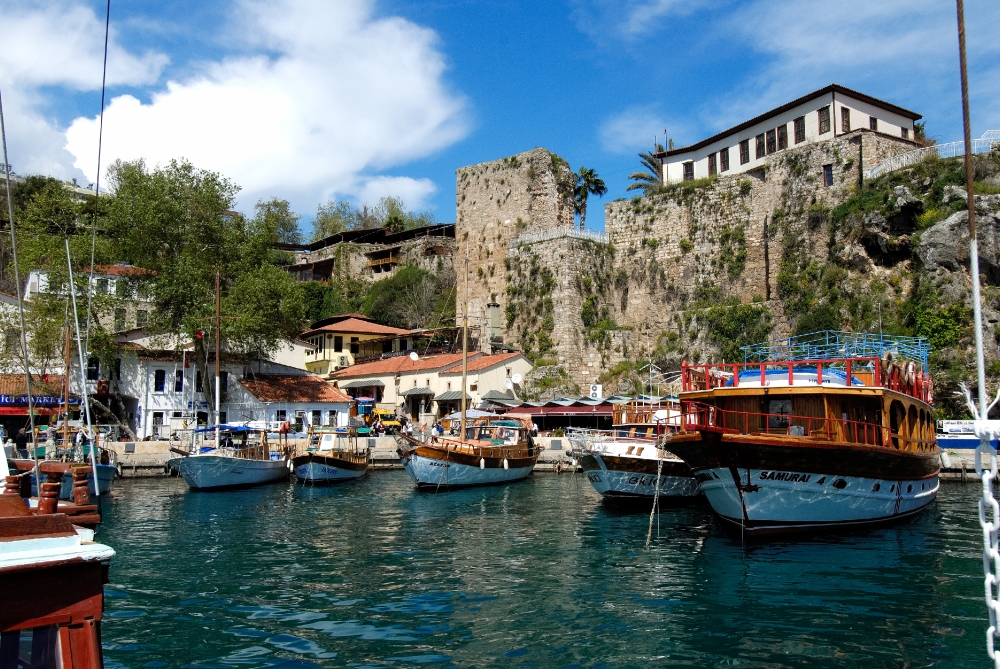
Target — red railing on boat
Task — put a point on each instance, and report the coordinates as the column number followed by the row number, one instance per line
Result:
column 906, row 379
column 699, row 416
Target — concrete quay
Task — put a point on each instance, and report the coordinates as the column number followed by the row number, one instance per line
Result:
column 140, row 459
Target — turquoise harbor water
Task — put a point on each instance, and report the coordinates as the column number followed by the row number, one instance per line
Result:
column 537, row 574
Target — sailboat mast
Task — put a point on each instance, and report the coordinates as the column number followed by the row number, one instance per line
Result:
column 465, row 343
column 218, row 349
column 66, row 398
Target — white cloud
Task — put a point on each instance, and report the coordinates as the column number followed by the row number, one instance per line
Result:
column 56, row 44
column 413, row 192
column 635, row 128
column 905, row 52
column 331, row 95
column 61, row 43
column 632, row 18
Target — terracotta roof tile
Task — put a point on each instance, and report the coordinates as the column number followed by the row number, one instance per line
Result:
column 485, row 362
column 120, row 270
column 402, row 364
column 288, row 388
column 357, row 326
column 45, row 384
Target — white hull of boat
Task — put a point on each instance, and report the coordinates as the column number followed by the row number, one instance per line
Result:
column 208, row 472
column 624, row 484
column 317, row 472
column 431, row 473
column 766, row 501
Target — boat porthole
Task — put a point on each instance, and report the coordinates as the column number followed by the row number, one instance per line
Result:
column 875, row 488
column 909, row 488
column 821, row 481
column 840, row 484
column 921, row 486
column 892, row 488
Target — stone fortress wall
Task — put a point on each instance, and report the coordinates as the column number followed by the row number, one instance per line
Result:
column 582, row 306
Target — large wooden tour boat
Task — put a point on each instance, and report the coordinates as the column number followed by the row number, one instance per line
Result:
column 827, row 430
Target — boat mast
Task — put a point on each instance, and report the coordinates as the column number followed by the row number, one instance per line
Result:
column 66, row 398
column 20, row 301
column 465, row 343
column 218, row 340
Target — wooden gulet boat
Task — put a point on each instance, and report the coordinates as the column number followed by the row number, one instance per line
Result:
column 52, row 574
column 332, row 456
column 626, row 464
column 489, row 452
column 801, row 437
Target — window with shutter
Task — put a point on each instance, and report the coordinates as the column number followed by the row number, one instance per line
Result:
column 724, row 160
column 800, row 129
column 845, row 119
column 760, row 146
column 744, row 152
column 712, row 165
column 824, row 120
column 782, row 136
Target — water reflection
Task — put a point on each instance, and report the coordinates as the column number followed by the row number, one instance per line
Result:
column 539, row 573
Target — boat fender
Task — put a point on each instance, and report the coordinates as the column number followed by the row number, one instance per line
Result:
column 482, row 463
column 505, row 465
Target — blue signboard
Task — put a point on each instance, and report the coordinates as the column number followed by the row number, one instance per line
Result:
column 37, row 400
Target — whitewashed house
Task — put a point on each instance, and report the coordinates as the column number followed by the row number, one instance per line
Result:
column 431, row 386
column 300, row 400
column 821, row 115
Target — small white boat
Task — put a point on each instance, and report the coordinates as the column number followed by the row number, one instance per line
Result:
column 333, row 455
column 623, row 469
column 251, row 461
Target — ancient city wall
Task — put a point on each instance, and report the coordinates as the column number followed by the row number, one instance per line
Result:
column 580, row 307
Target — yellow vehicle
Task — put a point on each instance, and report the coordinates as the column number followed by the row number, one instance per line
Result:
column 388, row 419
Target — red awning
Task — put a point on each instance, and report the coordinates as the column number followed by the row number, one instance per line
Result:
column 23, row 411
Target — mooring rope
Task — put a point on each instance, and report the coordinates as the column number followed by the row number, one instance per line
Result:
column 656, row 496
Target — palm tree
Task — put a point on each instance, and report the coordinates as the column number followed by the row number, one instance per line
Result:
column 587, row 184
column 653, row 178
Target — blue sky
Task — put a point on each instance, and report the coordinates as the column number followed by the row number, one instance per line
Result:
column 355, row 99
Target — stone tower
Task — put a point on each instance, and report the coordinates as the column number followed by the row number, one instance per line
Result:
column 528, row 193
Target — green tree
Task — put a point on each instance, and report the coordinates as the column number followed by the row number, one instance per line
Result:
column 332, row 218
column 411, row 298
column 277, row 214
column 176, row 221
column 652, row 177
column 587, row 184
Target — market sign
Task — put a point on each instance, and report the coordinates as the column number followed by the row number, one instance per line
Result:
column 36, row 400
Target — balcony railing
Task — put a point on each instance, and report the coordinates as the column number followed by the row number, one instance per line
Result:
column 869, row 372
column 699, row 416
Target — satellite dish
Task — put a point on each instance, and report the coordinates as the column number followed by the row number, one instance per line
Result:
column 414, row 356
column 516, row 378
column 508, row 384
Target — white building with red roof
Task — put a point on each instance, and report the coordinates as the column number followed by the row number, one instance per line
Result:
column 431, row 386
column 300, row 400
column 340, row 340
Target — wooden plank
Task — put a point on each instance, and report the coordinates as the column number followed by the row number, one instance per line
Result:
column 29, row 526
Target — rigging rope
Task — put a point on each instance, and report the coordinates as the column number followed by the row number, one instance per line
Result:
column 97, row 182
column 656, row 496
column 20, row 301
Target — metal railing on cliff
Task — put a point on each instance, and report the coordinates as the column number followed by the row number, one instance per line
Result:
column 949, row 150
column 558, row 233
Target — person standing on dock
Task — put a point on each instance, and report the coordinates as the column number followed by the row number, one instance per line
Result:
column 21, row 443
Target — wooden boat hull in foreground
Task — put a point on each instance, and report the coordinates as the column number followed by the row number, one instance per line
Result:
column 215, row 472
column 761, row 484
column 328, row 468
column 436, row 467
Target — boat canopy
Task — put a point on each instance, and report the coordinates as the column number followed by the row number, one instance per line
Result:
column 838, row 345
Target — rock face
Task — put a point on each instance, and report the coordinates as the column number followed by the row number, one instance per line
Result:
column 766, row 246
